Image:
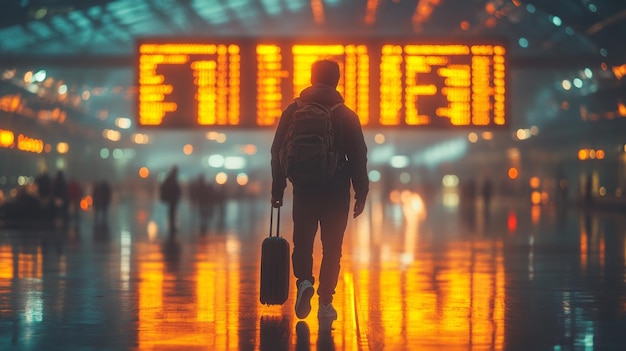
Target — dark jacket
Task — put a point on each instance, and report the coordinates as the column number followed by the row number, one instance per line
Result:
column 170, row 189
column 352, row 145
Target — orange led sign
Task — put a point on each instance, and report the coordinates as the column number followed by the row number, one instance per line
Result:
column 7, row 138
column 247, row 83
column 29, row 144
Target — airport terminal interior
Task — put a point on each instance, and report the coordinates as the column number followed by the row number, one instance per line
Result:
column 496, row 137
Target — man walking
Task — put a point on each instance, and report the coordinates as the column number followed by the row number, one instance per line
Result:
column 170, row 193
column 326, row 202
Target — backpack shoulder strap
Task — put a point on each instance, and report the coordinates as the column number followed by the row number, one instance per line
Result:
column 339, row 136
column 335, row 106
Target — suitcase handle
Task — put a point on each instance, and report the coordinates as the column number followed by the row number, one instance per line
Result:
column 272, row 222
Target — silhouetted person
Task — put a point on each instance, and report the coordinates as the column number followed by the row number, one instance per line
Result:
column 170, row 194
column 468, row 203
column 328, row 204
column 219, row 204
column 588, row 195
column 44, row 186
column 468, row 194
column 107, row 195
column 96, row 200
column 487, row 192
column 59, row 194
column 562, row 188
column 74, row 195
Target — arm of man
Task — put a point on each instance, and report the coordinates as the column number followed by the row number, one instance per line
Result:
column 356, row 150
column 359, row 206
column 279, row 180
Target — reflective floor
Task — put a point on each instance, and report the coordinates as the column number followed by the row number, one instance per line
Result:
column 416, row 275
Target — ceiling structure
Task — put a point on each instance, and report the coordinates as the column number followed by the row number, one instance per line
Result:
column 101, row 34
column 93, row 28
column 90, row 44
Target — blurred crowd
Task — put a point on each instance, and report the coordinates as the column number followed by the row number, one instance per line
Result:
column 50, row 198
column 47, row 198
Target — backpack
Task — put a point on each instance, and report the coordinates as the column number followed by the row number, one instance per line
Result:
column 309, row 155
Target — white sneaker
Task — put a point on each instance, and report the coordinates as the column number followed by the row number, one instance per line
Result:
column 327, row 311
column 303, row 303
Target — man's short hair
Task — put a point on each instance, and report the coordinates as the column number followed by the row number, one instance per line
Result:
column 325, row 72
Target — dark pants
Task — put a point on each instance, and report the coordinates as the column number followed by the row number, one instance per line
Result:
column 331, row 212
column 171, row 215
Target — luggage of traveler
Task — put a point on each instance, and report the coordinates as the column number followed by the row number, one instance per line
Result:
column 275, row 266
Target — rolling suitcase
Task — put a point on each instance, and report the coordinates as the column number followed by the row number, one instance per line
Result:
column 275, row 264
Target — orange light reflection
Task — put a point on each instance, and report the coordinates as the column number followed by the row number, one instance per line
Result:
column 6, row 264
column 584, row 245
column 463, row 307
column 455, row 294
column 211, row 320
column 29, row 265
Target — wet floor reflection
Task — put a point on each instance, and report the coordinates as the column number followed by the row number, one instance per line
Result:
column 424, row 287
column 416, row 274
column 190, row 295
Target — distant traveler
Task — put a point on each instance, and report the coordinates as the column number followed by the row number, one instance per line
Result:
column 44, row 186
column 74, row 195
column 321, row 194
column 588, row 195
column 170, row 193
column 204, row 194
column 487, row 192
column 107, row 194
column 59, row 193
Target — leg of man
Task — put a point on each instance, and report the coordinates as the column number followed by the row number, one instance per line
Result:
column 172, row 216
column 304, row 229
column 333, row 223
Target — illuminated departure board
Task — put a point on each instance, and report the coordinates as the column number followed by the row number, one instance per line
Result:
column 248, row 83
